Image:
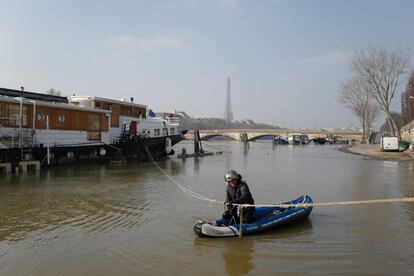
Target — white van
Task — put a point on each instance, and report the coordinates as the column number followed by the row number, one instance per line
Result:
column 389, row 144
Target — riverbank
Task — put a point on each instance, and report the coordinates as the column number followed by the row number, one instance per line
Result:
column 373, row 152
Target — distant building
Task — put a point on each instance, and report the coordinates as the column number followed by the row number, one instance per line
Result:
column 228, row 114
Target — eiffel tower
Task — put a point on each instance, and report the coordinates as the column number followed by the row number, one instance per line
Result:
column 228, row 114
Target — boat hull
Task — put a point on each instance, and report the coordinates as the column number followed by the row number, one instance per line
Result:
column 267, row 218
column 85, row 152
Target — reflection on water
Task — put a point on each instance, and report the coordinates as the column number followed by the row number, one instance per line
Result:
column 71, row 196
column 238, row 256
column 130, row 219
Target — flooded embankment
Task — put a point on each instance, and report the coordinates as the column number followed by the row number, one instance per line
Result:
column 373, row 151
column 131, row 220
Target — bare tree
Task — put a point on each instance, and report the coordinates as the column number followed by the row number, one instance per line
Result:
column 405, row 114
column 372, row 113
column 355, row 94
column 54, row 92
column 398, row 119
column 380, row 69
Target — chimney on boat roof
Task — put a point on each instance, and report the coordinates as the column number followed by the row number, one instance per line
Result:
column 132, row 99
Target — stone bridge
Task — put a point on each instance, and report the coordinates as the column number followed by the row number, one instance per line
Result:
column 254, row 134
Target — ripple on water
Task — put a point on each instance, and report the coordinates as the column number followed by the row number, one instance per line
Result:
column 88, row 213
column 128, row 221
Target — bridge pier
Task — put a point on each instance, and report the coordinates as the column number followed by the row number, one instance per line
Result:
column 244, row 137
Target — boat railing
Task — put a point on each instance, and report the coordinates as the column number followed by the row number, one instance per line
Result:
column 7, row 139
column 172, row 120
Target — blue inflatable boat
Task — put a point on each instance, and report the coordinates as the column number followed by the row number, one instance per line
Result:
column 266, row 218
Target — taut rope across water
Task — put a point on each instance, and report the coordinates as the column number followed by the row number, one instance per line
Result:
column 241, row 206
column 315, row 204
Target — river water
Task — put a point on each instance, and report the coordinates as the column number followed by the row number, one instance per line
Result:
column 130, row 219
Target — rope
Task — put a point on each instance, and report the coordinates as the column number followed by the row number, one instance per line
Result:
column 333, row 203
column 282, row 205
column 111, row 146
column 181, row 187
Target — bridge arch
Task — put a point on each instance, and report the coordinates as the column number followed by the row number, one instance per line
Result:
column 211, row 136
column 254, row 138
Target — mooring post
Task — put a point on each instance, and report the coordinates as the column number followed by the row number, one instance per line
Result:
column 196, row 142
column 199, row 140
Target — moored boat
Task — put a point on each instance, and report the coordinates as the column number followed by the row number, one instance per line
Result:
column 319, row 140
column 266, row 218
column 80, row 128
column 295, row 139
column 304, row 139
column 280, row 140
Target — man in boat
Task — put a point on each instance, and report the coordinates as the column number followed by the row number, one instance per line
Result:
column 238, row 193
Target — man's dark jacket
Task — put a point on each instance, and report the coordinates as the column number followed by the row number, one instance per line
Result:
column 241, row 195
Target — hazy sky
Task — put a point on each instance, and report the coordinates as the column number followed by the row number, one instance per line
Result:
column 286, row 59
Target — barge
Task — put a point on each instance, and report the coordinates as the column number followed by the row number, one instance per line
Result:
column 54, row 129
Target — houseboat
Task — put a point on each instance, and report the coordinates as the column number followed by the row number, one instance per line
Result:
column 130, row 124
column 45, row 127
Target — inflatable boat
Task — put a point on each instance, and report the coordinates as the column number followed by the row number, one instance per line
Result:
column 266, row 218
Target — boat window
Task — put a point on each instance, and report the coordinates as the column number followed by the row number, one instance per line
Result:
column 40, row 117
column 125, row 110
column 164, row 131
column 14, row 115
column 157, row 132
column 93, row 121
column 136, row 112
column 98, row 104
column 85, row 103
column 3, row 116
column 172, row 130
column 61, row 118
